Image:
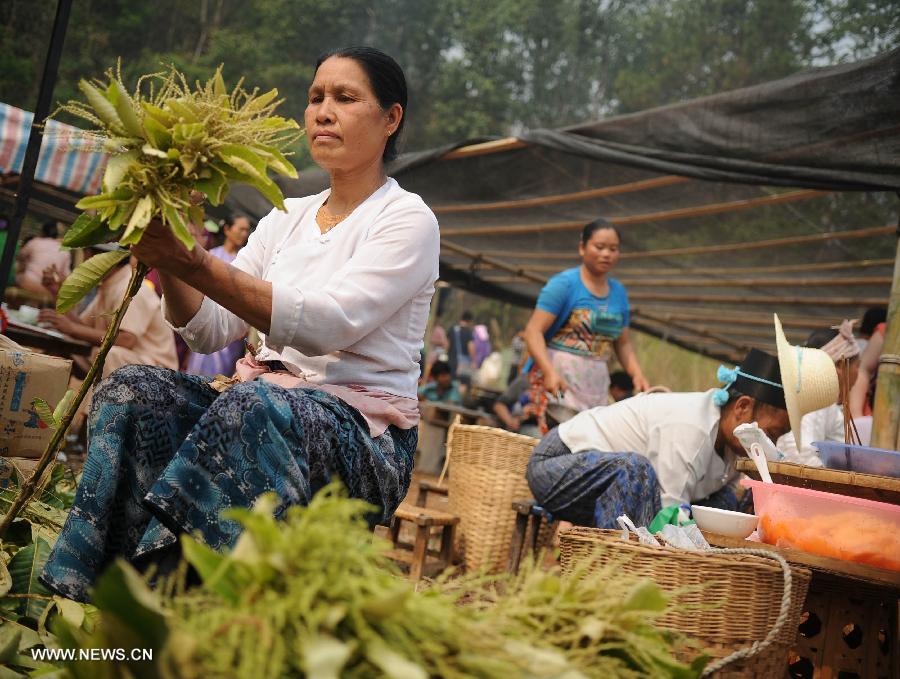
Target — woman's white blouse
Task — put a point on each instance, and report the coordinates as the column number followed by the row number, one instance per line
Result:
column 348, row 307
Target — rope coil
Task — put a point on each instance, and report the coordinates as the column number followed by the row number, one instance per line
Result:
column 758, row 646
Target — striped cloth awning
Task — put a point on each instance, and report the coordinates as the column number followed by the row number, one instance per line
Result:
column 61, row 163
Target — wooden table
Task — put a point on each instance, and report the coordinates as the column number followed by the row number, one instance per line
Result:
column 851, row 618
column 854, row 484
column 49, row 341
column 436, row 420
column 442, row 414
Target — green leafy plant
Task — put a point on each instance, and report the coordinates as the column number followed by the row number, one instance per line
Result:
column 314, row 595
column 166, row 140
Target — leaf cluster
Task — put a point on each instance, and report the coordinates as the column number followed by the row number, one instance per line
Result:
column 165, row 140
column 314, row 595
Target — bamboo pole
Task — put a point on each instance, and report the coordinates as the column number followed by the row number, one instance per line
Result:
column 708, row 249
column 735, row 282
column 485, row 148
column 886, row 413
column 813, row 300
column 808, row 322
column 665, row 215
column 541, row 201
column 627, row 273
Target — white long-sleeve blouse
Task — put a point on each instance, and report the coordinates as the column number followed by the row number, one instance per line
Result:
column 348, row 307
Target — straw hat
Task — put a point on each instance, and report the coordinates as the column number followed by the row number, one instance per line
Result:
column 809, row 378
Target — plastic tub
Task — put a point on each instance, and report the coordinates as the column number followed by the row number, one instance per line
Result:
column 862, row 459
column 836, row 526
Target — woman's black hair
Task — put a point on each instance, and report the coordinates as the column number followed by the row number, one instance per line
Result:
column 819, row 338
column 387, row 80
column 598, row 224
column 50, row 229
column 872, row 318
column 234, row 216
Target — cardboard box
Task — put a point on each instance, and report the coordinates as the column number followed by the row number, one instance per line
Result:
column 25, row 376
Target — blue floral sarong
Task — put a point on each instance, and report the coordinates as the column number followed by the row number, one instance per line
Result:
column 168, row 453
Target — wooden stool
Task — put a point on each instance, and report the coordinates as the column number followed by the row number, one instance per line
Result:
column 426, row 487
column 420, row 559
column 525, row 510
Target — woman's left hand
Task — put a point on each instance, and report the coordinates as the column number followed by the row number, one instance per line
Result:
column 640, row 382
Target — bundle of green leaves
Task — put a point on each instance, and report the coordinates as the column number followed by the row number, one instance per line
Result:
column 314, row 595
column 167, row 139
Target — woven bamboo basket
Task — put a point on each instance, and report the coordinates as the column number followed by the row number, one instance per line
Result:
column 487, row 473
column 730, row 601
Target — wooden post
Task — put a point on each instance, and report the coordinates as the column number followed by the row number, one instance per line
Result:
column 886, row 413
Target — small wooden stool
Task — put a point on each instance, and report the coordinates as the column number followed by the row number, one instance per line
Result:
column 525, row 510
column 420, row 559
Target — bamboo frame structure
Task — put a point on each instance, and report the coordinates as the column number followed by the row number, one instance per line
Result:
column 665, row 215
column 557, row 199
column 774, row 243
column 722, row 271
column 730, row 283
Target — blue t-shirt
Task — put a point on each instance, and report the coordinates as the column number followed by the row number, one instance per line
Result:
column 585, row 324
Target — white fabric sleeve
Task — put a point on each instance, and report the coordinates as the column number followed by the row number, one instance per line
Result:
column 213, row 327
column 398, row 258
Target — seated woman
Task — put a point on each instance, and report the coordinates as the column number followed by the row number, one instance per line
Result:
column 339, row 287
column 826, row 424
column 655, row 450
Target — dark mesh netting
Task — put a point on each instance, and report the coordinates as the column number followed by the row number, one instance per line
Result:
column 776, row 198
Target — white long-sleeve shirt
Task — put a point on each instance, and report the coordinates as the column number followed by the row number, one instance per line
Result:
column 675, row 432
column 348, row 307
column 826, row 424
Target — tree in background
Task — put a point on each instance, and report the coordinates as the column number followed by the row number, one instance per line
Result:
column 475, row 68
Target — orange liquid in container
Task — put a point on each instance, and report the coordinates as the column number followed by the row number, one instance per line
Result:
column 850, row 536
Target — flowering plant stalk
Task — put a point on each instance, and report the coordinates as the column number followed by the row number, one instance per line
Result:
column 165, row 140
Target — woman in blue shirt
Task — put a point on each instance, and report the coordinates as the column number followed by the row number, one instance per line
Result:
column 581, row 317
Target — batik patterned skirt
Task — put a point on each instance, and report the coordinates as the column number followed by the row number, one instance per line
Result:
column 168, row 453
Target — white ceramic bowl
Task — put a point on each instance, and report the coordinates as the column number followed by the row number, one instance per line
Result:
column 724, row 522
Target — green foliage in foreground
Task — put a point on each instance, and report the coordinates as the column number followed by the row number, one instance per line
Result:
column 315, row 596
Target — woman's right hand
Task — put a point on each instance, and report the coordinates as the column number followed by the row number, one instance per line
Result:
column 554, row 383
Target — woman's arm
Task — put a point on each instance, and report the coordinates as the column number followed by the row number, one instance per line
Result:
column 538, row 324
column 71, row 325
column 628, row 359
column 868, row 364
column 188, row 276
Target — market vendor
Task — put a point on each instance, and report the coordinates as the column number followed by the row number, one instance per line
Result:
column 339, row 288
column 581, row 318
column 655, row 450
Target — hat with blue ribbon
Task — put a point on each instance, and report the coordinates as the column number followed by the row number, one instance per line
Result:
column 758, row 376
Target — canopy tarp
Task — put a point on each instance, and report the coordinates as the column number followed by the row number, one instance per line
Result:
column 774, row 198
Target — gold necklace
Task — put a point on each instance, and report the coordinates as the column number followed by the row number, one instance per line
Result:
column 329, row 221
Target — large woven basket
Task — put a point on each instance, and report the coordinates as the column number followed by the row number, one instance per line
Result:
column 732, row 600
column 487, row 473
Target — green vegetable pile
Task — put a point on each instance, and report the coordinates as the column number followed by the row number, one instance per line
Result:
column 313, row 595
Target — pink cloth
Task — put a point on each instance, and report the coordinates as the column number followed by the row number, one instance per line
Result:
column 379, row 408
